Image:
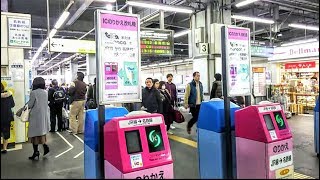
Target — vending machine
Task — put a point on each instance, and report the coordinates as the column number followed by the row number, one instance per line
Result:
column 137, row 147
column 264, row 143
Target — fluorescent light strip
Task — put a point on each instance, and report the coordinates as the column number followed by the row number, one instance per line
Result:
column 164, row 63
column 65, row 60
column 82, row 65
column 181, row 33
column 299, row 42
column 52, row 33
column 304, row 26
column 52, row 59
column 177, row 61
column 62, row 19
column 260, row 20
column 146, row 4
column 245, row 2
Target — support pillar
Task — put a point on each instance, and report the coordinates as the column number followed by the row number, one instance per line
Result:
column 161, row 19
column 91, row 67
column 74, row 69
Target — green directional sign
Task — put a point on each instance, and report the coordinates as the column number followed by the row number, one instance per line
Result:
column 154, row 137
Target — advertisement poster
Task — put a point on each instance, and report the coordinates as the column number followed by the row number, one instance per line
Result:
column 17, row 71
column 19, row 31
column 119, row 57
column 238, row 61
column 259, row 81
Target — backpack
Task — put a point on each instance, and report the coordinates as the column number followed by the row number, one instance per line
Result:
column 59, row 96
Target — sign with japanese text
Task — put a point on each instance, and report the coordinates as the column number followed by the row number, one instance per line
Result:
column 19, row 31
column 140, row 122
column 238, row 60
column 280, row 160
column 300, row 65
column 156, row 42
column 259, row 81
column 160, row 172
column 118, row 55
column 269, row 108
column 285, row 173
column 295, row 51
column 261, row 51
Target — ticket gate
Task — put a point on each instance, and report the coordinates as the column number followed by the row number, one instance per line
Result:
column 91, row 155
column 264, row 143
column 137, row 147
column 211, row 139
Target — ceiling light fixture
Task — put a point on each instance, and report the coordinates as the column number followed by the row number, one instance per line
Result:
column 164, row 7
column 258, row 20
column 109, row 7
column 108, row 1
column 62, row 19
column 304, row 26
column 181, row 33
column 245, row 2
column 52, row 33
column 300, row 42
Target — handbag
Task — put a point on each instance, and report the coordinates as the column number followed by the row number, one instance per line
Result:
column 179, row 118
column 25, row 114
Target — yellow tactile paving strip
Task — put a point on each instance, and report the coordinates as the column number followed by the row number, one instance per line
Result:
column 194, row 144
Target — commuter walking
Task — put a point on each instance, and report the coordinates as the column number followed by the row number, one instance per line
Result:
column 216, row 91
column 151, row 100
column 77, row 94
column 39, row 121
column 56, row 98
column 193, row 98
column 7, row 103
column 171, row 87
column 167, row 108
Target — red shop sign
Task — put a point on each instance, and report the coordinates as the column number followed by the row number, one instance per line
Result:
column 300, row 65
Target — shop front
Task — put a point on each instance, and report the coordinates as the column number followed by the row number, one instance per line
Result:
column 298, row 76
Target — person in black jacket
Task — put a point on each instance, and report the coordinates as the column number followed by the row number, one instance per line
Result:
column 56, row 104
column 216, row 91
column 91, row 96
column 167, row 108
column 7, row 103
column 151, row 99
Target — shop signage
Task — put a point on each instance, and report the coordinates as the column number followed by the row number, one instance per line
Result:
column 238, row 60
column 118, row 55
column 259, row 81
column 300, row 65
column 19, row 31
column 72, row 46
column 156, row 42
column 261, row 51
column 296, row 51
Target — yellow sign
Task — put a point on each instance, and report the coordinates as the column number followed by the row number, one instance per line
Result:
column 285, row 173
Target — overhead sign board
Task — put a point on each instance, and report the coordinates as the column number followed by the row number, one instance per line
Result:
column 296, row 51
column 72, row 46
column 118, row 55
column 156, row 42
column 19, row 31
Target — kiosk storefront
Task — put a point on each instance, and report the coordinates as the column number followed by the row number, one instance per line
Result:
column 264, row 143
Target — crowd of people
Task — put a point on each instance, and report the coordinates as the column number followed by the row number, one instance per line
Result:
column 48, row 106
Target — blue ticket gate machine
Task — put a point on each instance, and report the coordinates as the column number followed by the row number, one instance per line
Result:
column 91, row 155
column 211, row 140
column 316, row 128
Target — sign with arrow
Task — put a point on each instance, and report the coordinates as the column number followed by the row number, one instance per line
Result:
column 72, row 46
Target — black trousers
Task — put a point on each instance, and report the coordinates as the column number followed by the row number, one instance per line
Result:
column 56, row 113
column 195, row 114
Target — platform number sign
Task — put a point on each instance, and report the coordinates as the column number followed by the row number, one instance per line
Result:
column 203, row 48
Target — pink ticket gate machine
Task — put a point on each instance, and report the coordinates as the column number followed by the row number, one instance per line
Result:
column 137, row 147
column 264, row 143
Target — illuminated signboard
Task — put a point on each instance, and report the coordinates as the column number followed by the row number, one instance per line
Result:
column 156, row 42
column 279, row 119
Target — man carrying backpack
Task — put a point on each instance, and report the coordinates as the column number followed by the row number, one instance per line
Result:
column 56, row 98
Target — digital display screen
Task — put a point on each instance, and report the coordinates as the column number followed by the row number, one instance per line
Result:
column 154, row 137
column 268, row 120
column 133, row 141
column 279, row 119
column 156, row 42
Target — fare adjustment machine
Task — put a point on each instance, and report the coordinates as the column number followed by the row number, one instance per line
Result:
column 137, row 147
column 264, row 143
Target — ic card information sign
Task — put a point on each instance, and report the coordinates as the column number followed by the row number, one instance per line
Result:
column 118, row 53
